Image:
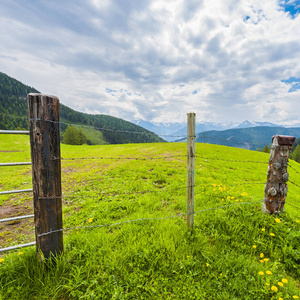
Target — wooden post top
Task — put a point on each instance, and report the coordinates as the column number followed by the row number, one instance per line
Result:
column 284, row 140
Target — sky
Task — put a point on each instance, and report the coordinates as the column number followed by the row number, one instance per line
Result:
column 155, row 60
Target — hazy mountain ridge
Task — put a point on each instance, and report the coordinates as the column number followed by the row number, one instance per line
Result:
column 180, row 129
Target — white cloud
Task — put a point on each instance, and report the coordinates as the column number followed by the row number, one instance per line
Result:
column 223, row 60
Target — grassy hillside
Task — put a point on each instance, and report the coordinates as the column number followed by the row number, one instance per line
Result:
column 234, row 251
column 14, row 114
column 246, row 138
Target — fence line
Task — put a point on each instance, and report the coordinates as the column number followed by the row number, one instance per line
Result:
column 294, row 184
column 148, row 219
column 228, row 160
column 15, row 164
column 14, row 132
column 198, row 135
column 16, row 218
column 143, row 192
column 16, row 191
column 125, row 158
column 17, row 247
column 294, row 169
column 292, row 205
column 106, row 129
column 161, row 190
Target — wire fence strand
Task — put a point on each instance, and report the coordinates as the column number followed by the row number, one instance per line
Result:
column 147, row 219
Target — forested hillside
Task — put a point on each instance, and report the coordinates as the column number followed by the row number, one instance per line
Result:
column 246, row 138
column 13, row 115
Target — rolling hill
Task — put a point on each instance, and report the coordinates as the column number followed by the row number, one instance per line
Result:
column 245, row 138
column 13, row 115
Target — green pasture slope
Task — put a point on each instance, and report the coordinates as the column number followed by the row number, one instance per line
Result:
column 234, row 252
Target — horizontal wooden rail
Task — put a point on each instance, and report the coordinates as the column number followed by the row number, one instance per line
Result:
column 16, row 218
column 15, row 191
column 14, row 131
column 15, row 164
column 17, row 247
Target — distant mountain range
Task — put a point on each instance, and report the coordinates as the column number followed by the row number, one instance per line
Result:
column 175, row 130
column 250, row 138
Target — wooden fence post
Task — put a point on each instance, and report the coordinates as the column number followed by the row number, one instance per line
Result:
column 46, row 173
column 277, row 175
column 191, row 137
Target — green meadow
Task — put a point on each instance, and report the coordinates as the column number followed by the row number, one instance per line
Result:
column 146, row 250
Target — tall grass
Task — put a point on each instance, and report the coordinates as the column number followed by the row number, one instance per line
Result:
column 234, row 251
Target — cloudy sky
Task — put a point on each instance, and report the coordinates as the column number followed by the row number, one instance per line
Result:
column 156, row 60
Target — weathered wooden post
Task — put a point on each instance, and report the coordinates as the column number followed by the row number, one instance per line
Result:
column 46, row 173
column 277, row 175
column 191, row 137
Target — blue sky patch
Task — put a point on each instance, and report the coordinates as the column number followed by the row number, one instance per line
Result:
column 290, row 6
column 294, row 82
column 246, row 18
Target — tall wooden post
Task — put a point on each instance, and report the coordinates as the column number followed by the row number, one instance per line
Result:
column 191, row 137
column 277, row 175
column 46, row 172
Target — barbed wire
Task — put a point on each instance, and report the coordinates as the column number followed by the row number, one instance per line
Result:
column 125, row 158
column 295, row 184
column 160, row 190
column 107, row 129
column 292, row 205
column 228, row 160
column 293, row 169
column 117, row 193
column 146, row 219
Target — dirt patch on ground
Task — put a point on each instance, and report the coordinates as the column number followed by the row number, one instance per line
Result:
column 17, row 231
column 14, row 211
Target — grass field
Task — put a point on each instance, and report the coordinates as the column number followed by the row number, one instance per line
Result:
column 234, row 252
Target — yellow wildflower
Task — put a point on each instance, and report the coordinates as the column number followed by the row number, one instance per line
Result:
column 207, row 264
column 261, row 255
column 284, row 280
column 263, row 229
column 280, row 298
column 231, row 198
column 269, row 272
column 261, row 273
column 274, row 288
column 1, row 260
column 188, row 256
column 91, row 220
column 221, row 274
column 280, row 284
column 277, row 220
column 20, row 253
column 295, row 297
column 266, row 259
column 261, row 260
column 254, row 246
column 297, row 221
column 267, row 284
column 272, row 234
